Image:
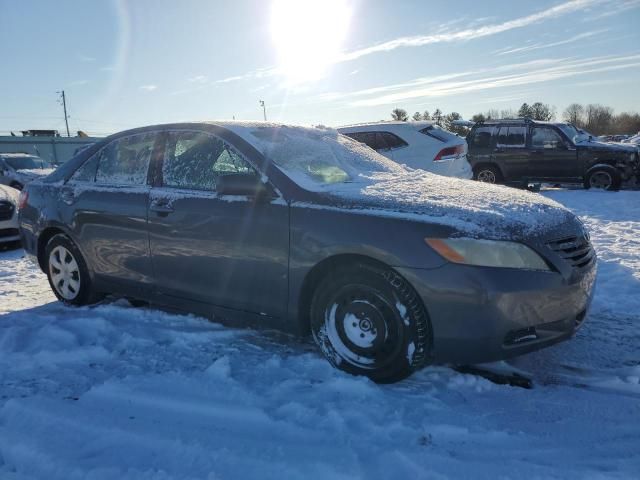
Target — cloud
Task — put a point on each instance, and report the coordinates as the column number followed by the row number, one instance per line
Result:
column 538, row 46
column 77, row 83
column 472, row 33
column 197, row 79
column 86, row 58
column 148, row 88
column 527, row 73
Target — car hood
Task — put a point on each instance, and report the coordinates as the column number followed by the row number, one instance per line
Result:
column 607, row 147
column 468, row 207
column 9, row 193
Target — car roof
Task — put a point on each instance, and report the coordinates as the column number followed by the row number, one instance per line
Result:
column 18, row 155
column 416, row 125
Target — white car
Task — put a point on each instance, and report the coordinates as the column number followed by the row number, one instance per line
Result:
column 416, row 144
column 9, row 214
column 18, row 169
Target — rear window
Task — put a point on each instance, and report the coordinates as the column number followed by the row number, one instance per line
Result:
column 433, row 132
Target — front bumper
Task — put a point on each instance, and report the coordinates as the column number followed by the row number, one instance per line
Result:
column 481, row 314
column 9, row 230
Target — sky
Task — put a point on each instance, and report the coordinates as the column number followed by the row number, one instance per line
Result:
column 124, row 64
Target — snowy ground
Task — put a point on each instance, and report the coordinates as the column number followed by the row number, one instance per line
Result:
column 118, row 392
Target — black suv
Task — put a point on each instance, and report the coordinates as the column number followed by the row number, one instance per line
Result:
column 520, row 151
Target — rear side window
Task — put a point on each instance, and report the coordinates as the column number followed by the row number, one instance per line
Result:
column 126, row 161
column 194, row 160
column 482, row 137
column 511, row 137
column 392, row 141
column 87, row 172
column 379, row 141
column 545, row 137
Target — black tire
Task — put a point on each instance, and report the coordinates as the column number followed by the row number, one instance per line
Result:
column 603, row 178
column 352, row 304
column 487, row 174
column 16, row 185
column 85, row 294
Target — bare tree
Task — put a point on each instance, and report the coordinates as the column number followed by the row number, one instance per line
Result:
column 426, row 116
column 417, row 117
column 574, row 113
column 542, row 111
column 598, row 118
column 399, row 114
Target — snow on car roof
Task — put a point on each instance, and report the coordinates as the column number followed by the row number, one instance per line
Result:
column 18, row 155
column 415, row 124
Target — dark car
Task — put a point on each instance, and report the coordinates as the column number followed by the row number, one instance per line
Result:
column 309, row 231
column 522, row 151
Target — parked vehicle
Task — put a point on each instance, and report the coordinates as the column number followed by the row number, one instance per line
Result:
column 522, row 151
column 17, row 169
column 8, row 214
column 416, row 144
column 309, row 231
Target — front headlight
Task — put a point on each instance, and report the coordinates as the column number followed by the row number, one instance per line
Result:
column 487, row 253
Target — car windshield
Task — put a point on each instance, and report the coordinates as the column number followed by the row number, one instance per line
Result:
column 575, row 135
column 318, row 159
column 27, row 163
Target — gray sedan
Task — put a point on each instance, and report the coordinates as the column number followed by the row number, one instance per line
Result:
column 306, row 230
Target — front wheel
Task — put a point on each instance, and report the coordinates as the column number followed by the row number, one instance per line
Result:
column 603, row 178
column 369, row 321
column 68, row 273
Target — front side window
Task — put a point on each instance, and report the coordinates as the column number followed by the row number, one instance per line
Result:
column 194, row 160
column 547, row 138
column 126, row 161
column 511, row 137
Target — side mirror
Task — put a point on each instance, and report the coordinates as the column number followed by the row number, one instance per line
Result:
column 246, row 184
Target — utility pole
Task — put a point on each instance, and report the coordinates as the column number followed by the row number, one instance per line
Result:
column 64, row 106
column 264, row 110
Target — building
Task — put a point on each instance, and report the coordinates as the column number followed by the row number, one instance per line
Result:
column 47, row 144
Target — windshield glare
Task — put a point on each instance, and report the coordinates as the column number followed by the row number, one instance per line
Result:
column 319, row 159
column 27, row 163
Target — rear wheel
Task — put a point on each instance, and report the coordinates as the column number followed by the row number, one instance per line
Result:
column 68, row 273
column 487, row 174
column 369, row 321
column 603, row 178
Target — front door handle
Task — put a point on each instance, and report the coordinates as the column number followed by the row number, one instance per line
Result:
column 161, row 208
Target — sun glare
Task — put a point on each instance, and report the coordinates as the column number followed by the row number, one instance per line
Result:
column 308, row 35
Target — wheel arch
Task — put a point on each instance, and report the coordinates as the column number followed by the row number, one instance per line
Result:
column 317, row 273
column 486, row 163
column 43, row 238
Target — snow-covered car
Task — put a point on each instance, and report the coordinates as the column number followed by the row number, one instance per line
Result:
column 416, row 144
column 389, row 268
column 18, row 169
column 9, row 214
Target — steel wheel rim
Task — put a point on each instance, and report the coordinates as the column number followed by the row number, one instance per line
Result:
column 486, row 176
column 64, row 273
column 363, row 327
column 601, row 180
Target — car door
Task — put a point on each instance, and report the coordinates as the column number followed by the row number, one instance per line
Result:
column 229, row 251
column 552, row 157
column 511, row 154
column 105, row 203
